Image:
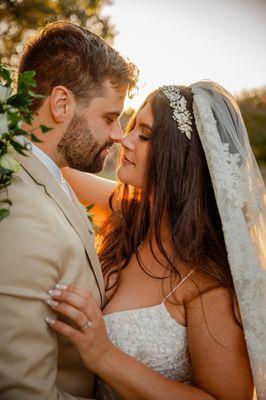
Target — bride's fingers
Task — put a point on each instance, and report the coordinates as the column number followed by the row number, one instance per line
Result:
column 86, row 305
column 68, row 311
column 73, row 335
column 77, row 290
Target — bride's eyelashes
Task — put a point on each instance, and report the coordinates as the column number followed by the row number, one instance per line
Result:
column 146, row 131
column 144, row 135
column 145, row 138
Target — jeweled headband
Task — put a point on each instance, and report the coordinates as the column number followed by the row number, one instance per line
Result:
column 181, row 114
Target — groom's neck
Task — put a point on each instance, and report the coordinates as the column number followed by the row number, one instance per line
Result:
column 49, row 140
column 51, row 152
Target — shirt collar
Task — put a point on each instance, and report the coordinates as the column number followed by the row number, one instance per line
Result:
column 48, row 162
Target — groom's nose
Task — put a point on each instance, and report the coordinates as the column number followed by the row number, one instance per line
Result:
column 116, row 134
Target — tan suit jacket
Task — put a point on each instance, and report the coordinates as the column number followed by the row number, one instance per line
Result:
column 47, row 239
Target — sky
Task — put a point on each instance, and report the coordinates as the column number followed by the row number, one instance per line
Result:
column 182, row 41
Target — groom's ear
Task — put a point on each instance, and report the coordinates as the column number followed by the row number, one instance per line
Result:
column 62, row 104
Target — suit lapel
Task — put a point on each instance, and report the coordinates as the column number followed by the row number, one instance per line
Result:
column 88, row 227
column 81, row 210
column 72, row 209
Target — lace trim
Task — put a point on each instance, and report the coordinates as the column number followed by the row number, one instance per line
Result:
column 240, row 202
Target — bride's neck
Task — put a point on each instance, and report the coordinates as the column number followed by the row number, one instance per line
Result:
column 164, row 233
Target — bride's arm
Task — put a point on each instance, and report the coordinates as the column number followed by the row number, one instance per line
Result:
column 91, row 189
column 216, row 344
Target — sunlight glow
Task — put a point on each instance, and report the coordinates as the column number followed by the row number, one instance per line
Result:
column 176, row 41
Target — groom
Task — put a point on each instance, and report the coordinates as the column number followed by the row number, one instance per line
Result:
column 48, row 239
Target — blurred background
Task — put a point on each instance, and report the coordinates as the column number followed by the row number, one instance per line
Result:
column 171, row 41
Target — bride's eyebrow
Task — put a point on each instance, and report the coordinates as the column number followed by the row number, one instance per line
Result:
column 145, row 126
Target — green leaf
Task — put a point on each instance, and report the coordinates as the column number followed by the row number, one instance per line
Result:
column 35, row 139
column 27, row 118
column 16, row 100
column 45, row 129
column 35, row 95
column 5, row 181
column 14, row 117
column 17, row 109
column 90, row 216
column 4, row 213
column 5, row 74
column 21, row 132
column 90, row 206
column 4, row 171
column 18, row 147
column 26, row 79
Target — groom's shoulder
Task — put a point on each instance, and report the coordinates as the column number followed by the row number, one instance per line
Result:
column 22, row 187
column 27, row 197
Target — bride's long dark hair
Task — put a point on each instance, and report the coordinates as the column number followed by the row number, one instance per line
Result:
column 177, row 178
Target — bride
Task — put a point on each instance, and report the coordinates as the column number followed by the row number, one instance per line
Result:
column 181, row 250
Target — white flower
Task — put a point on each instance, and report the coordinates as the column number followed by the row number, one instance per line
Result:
column 8, row 161
column 3, row 124
column 5, row 92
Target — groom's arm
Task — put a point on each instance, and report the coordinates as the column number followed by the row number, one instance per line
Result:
column 28, row 348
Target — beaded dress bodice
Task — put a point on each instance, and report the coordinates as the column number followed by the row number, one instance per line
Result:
column 153, row 337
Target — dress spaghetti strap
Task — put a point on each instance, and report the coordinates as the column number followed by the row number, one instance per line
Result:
column 179, row 284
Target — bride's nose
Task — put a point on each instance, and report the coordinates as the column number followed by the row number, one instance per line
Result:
column 127, row 142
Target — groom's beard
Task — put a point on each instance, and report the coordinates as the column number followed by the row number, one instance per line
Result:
column 79, row 147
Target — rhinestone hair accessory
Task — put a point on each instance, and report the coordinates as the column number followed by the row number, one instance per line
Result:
column 179, row 104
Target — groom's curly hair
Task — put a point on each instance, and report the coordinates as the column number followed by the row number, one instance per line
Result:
column 65, row 54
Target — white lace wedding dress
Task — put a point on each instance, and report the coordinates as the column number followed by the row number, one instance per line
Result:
column 153, row 337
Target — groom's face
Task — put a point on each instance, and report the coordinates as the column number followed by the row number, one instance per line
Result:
column 93, row 130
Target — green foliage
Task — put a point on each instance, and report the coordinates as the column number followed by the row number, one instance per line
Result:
column 14, row 110
column 20, row 18
column 253, row 107
column 4, row 213
column 90, row 216
column 44, row 128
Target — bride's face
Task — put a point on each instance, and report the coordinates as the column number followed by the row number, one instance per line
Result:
column 135, row 149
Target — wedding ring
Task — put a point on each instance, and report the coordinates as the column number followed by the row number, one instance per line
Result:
column 87, row 325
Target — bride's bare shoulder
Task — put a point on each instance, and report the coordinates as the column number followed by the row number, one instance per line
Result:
column 204, row 290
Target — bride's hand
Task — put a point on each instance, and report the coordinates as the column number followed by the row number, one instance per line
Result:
column 89, row 336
